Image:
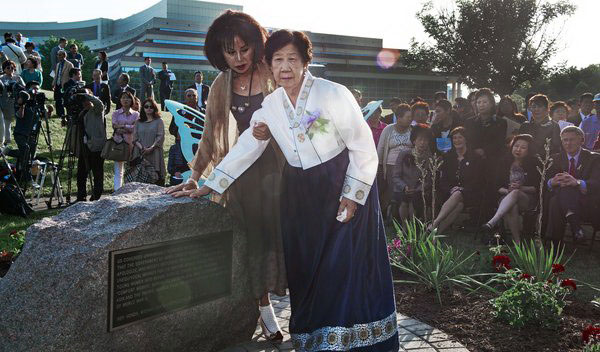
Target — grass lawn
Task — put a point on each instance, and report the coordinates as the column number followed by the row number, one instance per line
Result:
column 57, row 136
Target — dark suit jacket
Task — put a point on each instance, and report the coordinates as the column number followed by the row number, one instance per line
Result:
column 540, row 132
column 103, row 95
column 467, row 174
column 489, row 136
column 117, row 95
column 205, row 90
column 588, row 169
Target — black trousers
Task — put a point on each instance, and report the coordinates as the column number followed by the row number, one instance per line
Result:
column 164, row 95
column 564, row 200
column 58, row 98
column 90, row 161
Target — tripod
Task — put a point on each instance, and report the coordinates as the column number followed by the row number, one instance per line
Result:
column 65, row 152
column 12, row 176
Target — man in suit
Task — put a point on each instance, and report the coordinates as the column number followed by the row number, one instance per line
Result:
column 202, row 90
column 123, row 82
column 574, row 181
column 391, row 118
column 100, row 90
column 586, row 105
column 166, row 85
column 61, row 76
column 148, row 78
column 62, row 42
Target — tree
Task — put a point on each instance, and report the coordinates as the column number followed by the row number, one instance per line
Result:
column 490, row 43
column 567, row 83
column 89, row 59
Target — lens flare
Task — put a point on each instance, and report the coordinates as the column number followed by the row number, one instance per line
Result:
column 387, row 58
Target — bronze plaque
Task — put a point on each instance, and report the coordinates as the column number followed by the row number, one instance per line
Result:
column 151, row 280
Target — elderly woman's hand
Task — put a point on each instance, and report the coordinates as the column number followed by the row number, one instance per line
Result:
column 261, row 131
column 350, row 207
column 182, row 189
column 202, row 191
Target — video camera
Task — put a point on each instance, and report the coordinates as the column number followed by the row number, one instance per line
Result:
column 31, row 97
column 74, row 100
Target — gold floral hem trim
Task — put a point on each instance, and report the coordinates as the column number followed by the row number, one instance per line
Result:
column 337, row 338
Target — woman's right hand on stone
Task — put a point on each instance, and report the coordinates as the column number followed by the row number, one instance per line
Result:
column 182, row 190
column 202, row 191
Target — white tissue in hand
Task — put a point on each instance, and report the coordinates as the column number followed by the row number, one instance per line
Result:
column 342, row 216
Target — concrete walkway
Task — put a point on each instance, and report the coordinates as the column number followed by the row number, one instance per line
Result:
column 414, row 335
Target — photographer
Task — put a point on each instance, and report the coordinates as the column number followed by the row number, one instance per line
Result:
column 29, row 109
column 93, row 135
column 7, row 102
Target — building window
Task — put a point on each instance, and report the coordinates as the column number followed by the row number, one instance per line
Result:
column 174, row 56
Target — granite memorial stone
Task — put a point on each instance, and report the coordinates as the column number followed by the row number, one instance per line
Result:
column 136, row 271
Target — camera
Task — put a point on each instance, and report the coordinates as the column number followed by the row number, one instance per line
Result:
column 74, row 100
column 11, row 88
column 29, row 95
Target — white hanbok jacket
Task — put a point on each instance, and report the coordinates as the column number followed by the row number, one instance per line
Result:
column 325, row 121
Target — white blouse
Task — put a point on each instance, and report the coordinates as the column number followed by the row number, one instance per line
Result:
column 325, row 121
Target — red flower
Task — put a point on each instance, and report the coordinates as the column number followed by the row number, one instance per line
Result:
column 568, row 283
column 525, row 276
column 590, row 332
column 501, row 261
column 557, row 268
column 13, row 232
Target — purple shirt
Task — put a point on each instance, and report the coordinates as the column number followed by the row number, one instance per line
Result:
column 591, row 128
column 120, row 118
column 377, row 131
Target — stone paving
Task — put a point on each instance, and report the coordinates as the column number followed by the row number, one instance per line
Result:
column 414, row 335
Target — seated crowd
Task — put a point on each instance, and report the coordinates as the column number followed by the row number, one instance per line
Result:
column 490, row 153
column 491, row 156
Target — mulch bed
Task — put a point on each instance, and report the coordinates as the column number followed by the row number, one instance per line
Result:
column 468, row 318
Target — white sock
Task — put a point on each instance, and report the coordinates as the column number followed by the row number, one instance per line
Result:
column 267, row 315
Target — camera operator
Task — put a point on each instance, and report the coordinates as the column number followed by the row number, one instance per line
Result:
column 29, row 109
column 93, row 135
column 7, row 102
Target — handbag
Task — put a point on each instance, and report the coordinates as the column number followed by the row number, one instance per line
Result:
column 115, row 151
column 141, row 170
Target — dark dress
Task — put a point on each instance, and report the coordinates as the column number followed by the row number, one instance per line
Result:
column 254, row 201
column 467, row 173
column 527, row 175
column 340, row 280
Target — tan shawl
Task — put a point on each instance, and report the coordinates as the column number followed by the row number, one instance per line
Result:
column 220, row 127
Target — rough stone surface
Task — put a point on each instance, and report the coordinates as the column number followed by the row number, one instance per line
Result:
column 55, row 296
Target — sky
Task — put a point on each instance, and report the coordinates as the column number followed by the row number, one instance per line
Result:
column 392, row 20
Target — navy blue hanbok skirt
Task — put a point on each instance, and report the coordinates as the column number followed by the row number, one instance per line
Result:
column 339, row 276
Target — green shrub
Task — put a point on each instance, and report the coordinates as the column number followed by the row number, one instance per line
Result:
column 401, row 244
column 528, row 302
column 595, row 347
column 536, row 261
column 437, row 266
column 12, row 243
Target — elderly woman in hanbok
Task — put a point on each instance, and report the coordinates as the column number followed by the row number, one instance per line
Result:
column 235, row 45
column 339, row 276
